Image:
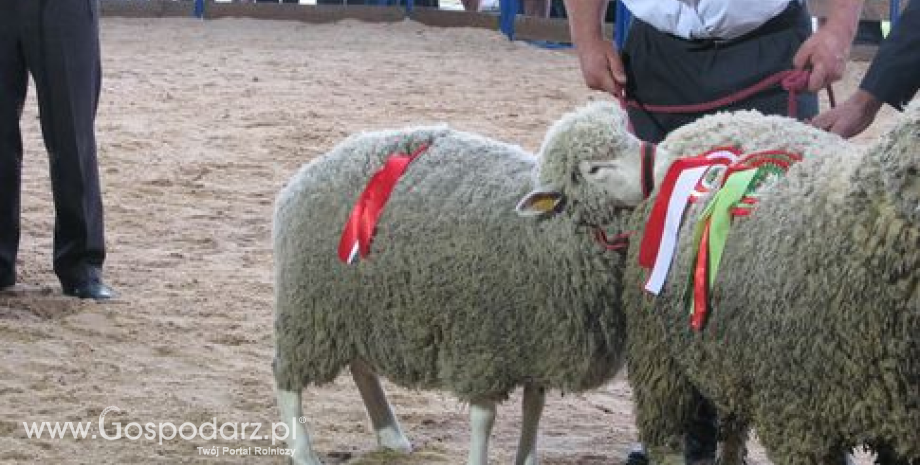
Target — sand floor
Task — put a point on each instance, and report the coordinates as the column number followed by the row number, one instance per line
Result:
column 200, row 124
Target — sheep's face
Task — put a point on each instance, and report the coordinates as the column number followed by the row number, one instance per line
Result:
column 619, row 181
column 590, row 162
column 607, row 185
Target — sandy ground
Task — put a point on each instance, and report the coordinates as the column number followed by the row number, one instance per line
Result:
column 200, row 124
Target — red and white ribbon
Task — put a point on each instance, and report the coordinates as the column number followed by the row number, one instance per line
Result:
column 682, row 181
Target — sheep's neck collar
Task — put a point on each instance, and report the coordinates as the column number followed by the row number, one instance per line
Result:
column 647, row 152
column 618, row 243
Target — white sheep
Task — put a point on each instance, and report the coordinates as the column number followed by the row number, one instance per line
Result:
column 813, row 332
column 459, row 293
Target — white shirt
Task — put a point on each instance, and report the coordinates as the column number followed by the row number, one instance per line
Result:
column 706, row 19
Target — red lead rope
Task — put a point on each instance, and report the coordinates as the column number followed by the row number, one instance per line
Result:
column 794, row 81
column 620, row 242
column 359, row 230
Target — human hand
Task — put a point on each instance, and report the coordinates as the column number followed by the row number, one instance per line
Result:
column 601, row 66
column 824, row 54
column 851, row 117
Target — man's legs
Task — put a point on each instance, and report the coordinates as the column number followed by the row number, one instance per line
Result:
column 14, row 81
column 470, row 5
column 61, row 44
column 869, row 33
column 538, row 8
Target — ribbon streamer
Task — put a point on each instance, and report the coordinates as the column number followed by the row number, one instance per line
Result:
column 362, row 222
column 661, row 230
column 711, row 233
column 736, row 197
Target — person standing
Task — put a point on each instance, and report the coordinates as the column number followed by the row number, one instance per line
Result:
column 57, row 42
column 682, row 52
column 892, row 78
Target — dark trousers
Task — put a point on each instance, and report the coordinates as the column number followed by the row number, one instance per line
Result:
column 666, row 70
column 57, row 41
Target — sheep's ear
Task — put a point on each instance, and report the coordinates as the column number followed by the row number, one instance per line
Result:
column 540, row 201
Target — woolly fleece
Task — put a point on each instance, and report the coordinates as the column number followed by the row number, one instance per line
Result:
column 459, row 293
column 813, row 335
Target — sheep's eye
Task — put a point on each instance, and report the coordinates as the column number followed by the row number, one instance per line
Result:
column 594, row 170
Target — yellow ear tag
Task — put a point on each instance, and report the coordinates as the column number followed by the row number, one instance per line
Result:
column 539, row 203
column 545, row 203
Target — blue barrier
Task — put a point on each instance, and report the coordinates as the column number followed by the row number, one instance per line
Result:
column 508, row 9
column 895, row 12
column 621, row 27
column 409, row 4
column 199, row 9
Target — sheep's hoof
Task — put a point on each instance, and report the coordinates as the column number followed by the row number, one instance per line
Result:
column 637, row 456
column 393, row 439
column 733, row 453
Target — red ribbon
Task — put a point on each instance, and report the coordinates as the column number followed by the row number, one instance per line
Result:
column 619, row 242
column 701, row 282
column 359, row 230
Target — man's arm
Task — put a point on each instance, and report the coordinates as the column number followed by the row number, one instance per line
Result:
column 827, row 50
column 894, row 75
column 893, row 78
column 851, row 117
column 600, row 62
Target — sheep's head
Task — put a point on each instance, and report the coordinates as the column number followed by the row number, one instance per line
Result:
column 899, row 157
column 590, row 163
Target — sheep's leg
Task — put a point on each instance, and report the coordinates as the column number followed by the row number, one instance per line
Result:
column 732, row 447
column 289, row 403
column 386, row 428
column 532, row 407
column 482, row 418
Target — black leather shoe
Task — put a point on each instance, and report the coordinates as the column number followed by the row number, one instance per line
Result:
column 637, row 456
column 94, row 289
